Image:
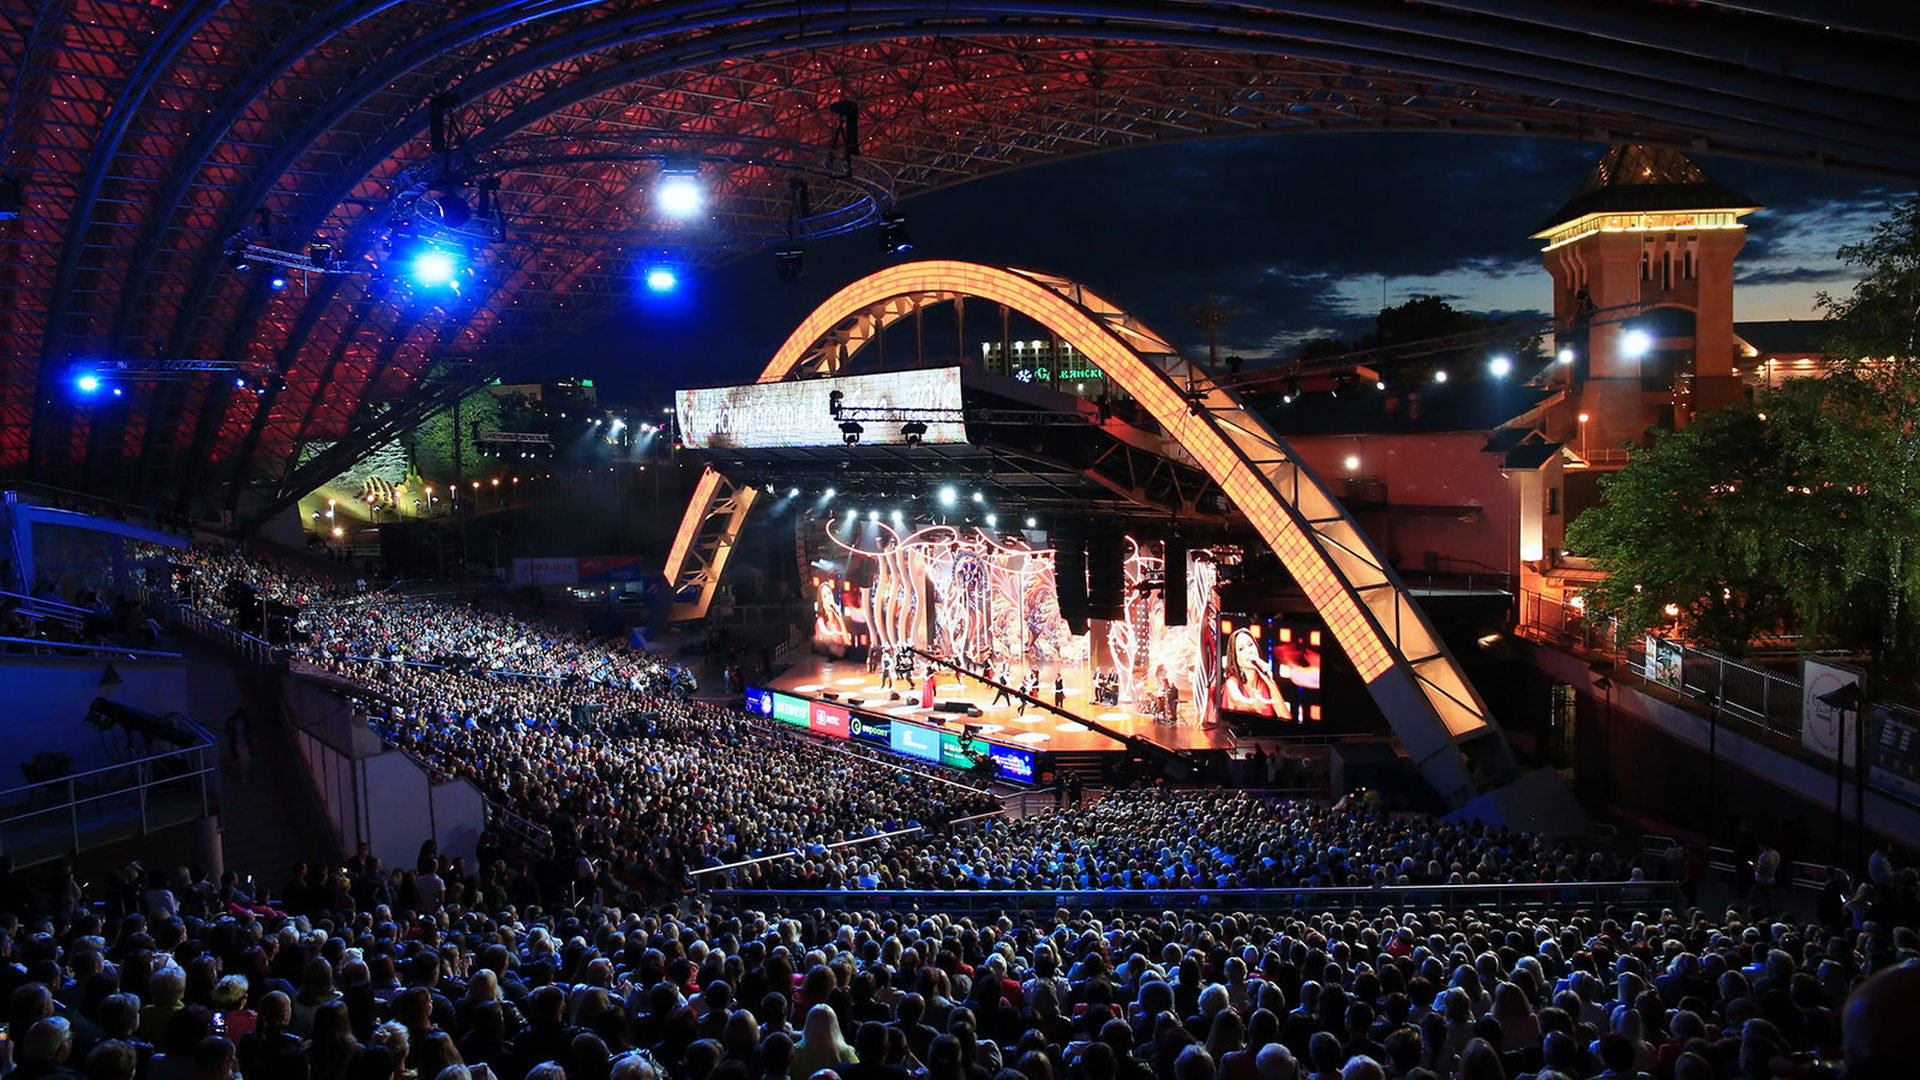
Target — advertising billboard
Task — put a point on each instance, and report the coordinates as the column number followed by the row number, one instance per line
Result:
column 1827, row 729
column 915, row 741
column 760, row 702
column 825, row 719
column 760, row 416
column 1893, row 764
column 792, row 710
column 1014, row 763
column 874, row 729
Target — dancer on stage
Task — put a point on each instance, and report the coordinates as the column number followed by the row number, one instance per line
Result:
column 1003, row 695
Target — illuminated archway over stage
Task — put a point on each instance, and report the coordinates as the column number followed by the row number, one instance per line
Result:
column 1415, row 681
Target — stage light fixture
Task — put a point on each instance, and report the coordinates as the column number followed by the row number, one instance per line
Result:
column 1636, row 344
column 87, row 382
column 948, row 496
column 1440, row 375
column 1501, row 366
column 117, row 391
column 793, row 492
column 913, row 432
column 433, row 267
column 276, row 282
column 873, row 515
column 830, row 493
column 239, row 260
column 320, row 253
column 894, row 238
column 835, row 402
column 790, row 264
column 993, row 521
column 1033, row 523
column 662, row 279
column 850, row 432
column 1379, row 384
column 1566, row 355
column 678, row 192
column 239, row 382
column 898, row 517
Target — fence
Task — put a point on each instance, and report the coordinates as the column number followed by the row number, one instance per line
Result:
column 1728, row 688
column 1531, row 897
column 69, row 814
column 777, row 856
column 235, row 641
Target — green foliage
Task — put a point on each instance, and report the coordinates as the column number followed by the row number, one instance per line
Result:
column 435, row 439
column 1881, row 318
column 1799, row 513
column 1687, row 524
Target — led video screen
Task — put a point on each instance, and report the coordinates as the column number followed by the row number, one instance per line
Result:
column 762, row 416
column 1270, row 668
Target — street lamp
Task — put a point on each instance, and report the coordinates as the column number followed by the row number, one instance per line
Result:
column 1584, row 417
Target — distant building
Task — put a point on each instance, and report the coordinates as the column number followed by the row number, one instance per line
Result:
column 557, row 393
column 1642, row 264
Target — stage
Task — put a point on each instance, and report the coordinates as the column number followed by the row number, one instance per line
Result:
column 1039, row 729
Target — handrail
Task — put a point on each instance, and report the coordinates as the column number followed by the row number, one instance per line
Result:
column 109, row 651
column 977, row 817
column 796, row 853
column 149, row 759
column 76, row 799
column 1286, row 896
column 52, row 603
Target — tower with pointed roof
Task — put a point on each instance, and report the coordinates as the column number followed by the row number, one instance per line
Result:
column 1642, row 264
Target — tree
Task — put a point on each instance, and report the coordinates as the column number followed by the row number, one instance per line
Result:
column 1870, row 437
column 1683, row 532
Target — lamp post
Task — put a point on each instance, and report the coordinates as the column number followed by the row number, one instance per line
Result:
column 1845, row 699
column 1604, row 684
column 1584, row 418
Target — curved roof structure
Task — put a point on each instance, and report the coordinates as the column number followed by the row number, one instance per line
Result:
column 150, row 135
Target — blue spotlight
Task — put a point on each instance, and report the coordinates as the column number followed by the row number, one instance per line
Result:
column 277, row 281
column 662, row 279
column 88, row 382
column 434, row 267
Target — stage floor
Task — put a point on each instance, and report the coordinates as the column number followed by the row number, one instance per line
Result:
column 1038, row 729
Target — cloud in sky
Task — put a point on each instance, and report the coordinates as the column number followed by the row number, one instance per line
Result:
column 1295, row 233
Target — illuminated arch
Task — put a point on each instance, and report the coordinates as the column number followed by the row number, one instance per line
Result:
column 1416, row 682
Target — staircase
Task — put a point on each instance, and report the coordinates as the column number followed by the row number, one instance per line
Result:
column 265, row 801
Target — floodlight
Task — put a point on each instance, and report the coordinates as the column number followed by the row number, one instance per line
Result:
column 678, row 193
column 912, row 432
column 1501, row 366
column 434, row 267
column 850, row 432
column 948, row 496
column 88, row 382
column 662, row 279
column 277, row 281
column 1440, row 376
column 1636, row 344
column 1566, row 355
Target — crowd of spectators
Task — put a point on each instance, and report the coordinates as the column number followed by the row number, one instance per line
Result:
column 1162, row 838
column 168, row 978
column 594, row 958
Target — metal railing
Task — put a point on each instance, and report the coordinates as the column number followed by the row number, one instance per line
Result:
column 1722, row 685
column 69, row 814
column 1529, row 897
column 795, row 854
column 43, row 647
column 235, row 641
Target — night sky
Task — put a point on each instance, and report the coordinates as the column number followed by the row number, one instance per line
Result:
column 1297, row 233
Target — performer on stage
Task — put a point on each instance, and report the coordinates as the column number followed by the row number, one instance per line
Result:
column 1249, row 685
column 1003, row 696
column 886, row 668
column 1028, row 688
column 927, row 688
column 1059, row 689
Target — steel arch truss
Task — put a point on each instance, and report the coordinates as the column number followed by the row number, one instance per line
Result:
column 1408, row 670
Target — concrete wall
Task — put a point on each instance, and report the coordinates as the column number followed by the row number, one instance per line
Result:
column 1648, row 756
column 46, row 699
